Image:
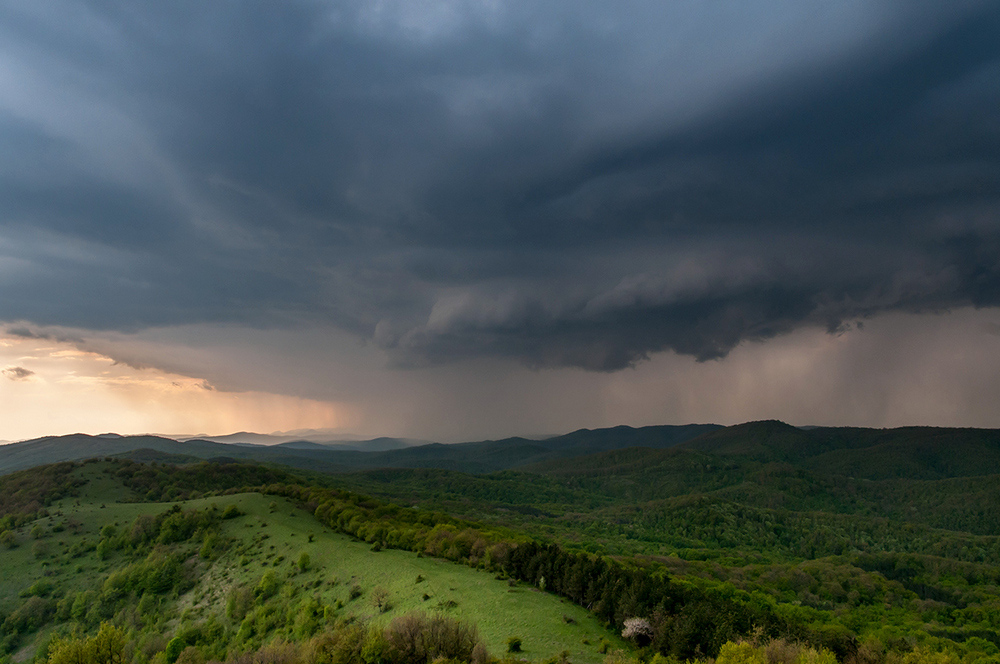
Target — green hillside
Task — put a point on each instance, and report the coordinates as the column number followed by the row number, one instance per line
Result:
column 907, row 452
column 83, row 562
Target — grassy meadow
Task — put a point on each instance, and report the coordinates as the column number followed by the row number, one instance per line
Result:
column 56, row 555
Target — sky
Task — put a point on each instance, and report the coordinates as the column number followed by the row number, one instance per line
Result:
column 458, row 220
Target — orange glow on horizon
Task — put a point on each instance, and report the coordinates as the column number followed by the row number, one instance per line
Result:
column 51, row 388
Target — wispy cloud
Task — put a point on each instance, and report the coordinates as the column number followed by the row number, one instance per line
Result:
column 18, row 373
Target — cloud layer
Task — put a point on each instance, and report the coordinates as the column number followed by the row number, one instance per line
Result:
column 561, row 184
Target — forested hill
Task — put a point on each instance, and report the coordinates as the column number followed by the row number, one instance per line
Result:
column 220, row 571
column 909, row 452
column 474, row 457
column 916, row 453
column 925, row 453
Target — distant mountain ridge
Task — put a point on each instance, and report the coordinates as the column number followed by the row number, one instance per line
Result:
column 926, row 453
column 318, row 437
column 475, row 457
column 923, row 453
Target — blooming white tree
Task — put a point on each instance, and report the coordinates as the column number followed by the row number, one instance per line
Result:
column 637, row 629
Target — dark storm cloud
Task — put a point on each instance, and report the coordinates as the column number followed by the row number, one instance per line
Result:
column 560, row 183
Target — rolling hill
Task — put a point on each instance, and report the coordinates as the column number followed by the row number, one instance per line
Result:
column 474, row 457
column 832, row 536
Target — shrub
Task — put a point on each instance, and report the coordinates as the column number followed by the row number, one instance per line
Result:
column 740, row 653
column 513, row 644
column 190, row 655
column 175, row 647
column 267, row 586
column 480, row 655
column 561, row 658
column 238, row 603
column 29, row 616
column 40, row 588
column 68, row 651
column 417, row 639
column 380, row 599
column 109, row 645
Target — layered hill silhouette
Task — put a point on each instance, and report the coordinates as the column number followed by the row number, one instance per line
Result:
column 474, row 457
column 925, row 453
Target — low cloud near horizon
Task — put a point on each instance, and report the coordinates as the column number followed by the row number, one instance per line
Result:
column 898, row 370
column 465, row 217
column 17, row 373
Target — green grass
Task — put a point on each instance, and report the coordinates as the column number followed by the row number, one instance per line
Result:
column 338, row 563
column 271, row 535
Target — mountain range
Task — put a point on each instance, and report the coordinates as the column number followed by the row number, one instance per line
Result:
column 928, row 453
column 342, row 456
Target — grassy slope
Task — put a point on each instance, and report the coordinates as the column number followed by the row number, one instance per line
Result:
column 498, row 610
column 752, row 510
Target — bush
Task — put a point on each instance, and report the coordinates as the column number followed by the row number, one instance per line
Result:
column 29, row 616
column 175, row 647
column 417, row 639
column 380, row 599
column 109, row 645
column 40, row 588
column 561, row 658
column 267, row 586
column 480, row 655
column 238, row 603
column 190, row 655
column 740, row 653
column 513, row 644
